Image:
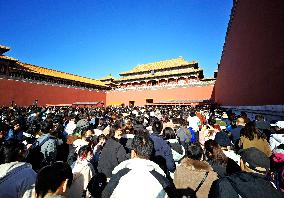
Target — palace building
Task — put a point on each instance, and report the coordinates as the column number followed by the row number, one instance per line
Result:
column 24, row 83
column 169, row 82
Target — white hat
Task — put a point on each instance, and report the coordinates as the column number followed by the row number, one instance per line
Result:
column 279, row 124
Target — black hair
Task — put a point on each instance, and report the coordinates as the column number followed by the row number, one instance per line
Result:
column 169, row 133
column 157, row 126
column 142, row 145
column 84, row 150
column 10, row 151
column 118, row 124
column 97, row 184
column 192, row 114
column 250, row 131
column 194, row 151
column 49, row 178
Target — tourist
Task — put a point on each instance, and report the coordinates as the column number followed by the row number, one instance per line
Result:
column 82, row 171
column 178, row 150
column 138, row 176
column 252, row 137
column 113, row 152
column 218, row 160
column 250, row 182
column 17, row 178
column 161, row 147
column 53, row 181
column 236, row 132
column 194, row 177
column 226, row 146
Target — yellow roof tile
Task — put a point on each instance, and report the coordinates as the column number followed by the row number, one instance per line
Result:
column 159, row 65
column 58, row 74
column 170, row 73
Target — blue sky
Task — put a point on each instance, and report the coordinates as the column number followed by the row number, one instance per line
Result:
column 94, row 38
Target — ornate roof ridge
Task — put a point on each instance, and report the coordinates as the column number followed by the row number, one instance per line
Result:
column 97, row 82
column 159, row 65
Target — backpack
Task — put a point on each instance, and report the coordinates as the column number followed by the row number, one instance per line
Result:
column 184, row 135
column 35, row 157
column 193, row 136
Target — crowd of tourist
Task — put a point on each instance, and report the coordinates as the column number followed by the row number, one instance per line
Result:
column 139, row 152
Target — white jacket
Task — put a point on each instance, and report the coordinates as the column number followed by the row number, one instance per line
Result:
column 17, row 179
column 136, row 178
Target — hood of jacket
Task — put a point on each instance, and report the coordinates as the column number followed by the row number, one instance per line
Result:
column 195, row 165
column 138, row 163
column 12, row 167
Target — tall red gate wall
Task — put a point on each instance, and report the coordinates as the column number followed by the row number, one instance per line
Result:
column 140, row 96
column 25, row 93
column 251, row 68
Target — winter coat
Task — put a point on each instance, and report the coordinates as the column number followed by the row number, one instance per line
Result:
column 83, row 172
column 17, row 179
column 178, row 150
column 137, row 178
column 260, row 144
column 247, row 185
column 190, row 174
column 162, row 148
column 112, row 154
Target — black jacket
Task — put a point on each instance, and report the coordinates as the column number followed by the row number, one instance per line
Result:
column 247, row 185
column 112, row 154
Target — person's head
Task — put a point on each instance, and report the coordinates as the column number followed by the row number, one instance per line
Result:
column 117, row 129
column 54, row 179
column 101, row 139
column 214, row 152
column 192, row 114
column 253, row 160
column 141, row 146
column 240, row 122
column 194, row 151
column 157, row 126
column 12, row 151
column 250, row 131
column 84, row 152
column 169, row 133
column 97, row 184
column 223, row 139
column 259, row 117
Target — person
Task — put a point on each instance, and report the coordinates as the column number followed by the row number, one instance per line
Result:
column 138, row 176
column 17, row 178
column 3, row 131
column 82, row 171
column 183, row 134
column 53, row 180
column 113, row 152
column 194, row 176
column 236, row 132
column 226, row 146
column 161, row 147
column 178, row 150
column 218, row 160
column 252, row 137
column 277, row 138
column 193, row 122
column 250, row 182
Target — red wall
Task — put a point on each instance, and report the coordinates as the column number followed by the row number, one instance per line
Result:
column 251, row 69
column 191, row 93
column 24, row 94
